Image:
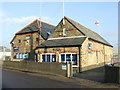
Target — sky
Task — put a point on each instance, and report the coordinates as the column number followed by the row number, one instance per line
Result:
column 16, row 15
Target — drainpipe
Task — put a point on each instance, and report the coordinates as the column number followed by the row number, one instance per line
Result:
column 79, row 63
column 104, row 53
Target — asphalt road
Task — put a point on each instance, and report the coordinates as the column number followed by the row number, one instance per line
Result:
column 17, row 79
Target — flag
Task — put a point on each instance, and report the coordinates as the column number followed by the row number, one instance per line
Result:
column 97, row 23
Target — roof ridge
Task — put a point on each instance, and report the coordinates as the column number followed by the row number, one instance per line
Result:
column 67, row 37
column 46, row 23
column 81, row 25
column 31, row 23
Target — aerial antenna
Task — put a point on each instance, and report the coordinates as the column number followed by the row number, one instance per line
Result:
column 63, row 12
column 39, row 31
column 63, row 8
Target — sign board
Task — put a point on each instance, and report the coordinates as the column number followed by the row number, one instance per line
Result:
column 36, row 51
column 89, row 52
column 57, row 49
column 64, row 67
column 90, row 46
column 15, row 49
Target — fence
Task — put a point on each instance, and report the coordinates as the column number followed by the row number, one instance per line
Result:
column 112, row 74
column 115, row 59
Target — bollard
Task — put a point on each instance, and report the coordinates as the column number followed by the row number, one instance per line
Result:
column 69, row 69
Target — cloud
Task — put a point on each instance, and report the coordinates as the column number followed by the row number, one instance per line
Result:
column 24, row 20
column 21, row 20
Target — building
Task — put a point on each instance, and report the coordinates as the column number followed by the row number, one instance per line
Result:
column 28, row 38
column 115, row 58
column 5, row 53
column 72, row 42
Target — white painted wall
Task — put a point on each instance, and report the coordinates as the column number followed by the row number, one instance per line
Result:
column 2, row 54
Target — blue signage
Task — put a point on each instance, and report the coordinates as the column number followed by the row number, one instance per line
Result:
column 16, row 49
column 56, row 49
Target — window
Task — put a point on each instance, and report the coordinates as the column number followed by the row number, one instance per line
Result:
column 74, row 59
column 62, row 57
column 19, row 41
column 16, row 49
column 48, row 57
column 89, row 45
column 27, row 40
column 64, row 32
column 17, row 56
column 43, row 58
column 22, row 55
column 49, row 33
column 69, row 57
column 37, row 39
column 25, row 55
column 53, row 58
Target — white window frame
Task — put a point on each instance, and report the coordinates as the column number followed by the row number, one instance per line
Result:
column 22, row 56
column 64, row 32
column 70, row 57
column 25, row 55
column 46, row 56
column 17, row 56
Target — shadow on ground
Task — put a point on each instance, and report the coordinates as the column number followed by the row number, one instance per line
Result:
column 96, row 74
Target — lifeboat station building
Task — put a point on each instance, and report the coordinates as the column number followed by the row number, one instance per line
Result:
column 28, row 38
column 72, row 42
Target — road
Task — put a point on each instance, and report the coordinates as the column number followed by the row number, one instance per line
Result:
column 17, row 79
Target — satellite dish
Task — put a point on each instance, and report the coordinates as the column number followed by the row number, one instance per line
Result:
column 97, row 23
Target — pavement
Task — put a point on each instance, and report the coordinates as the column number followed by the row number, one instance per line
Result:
column 18, row 79
column 96, row 75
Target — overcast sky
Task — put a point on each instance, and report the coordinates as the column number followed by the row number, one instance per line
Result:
column 16, row 15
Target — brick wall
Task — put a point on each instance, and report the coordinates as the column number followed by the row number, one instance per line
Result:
column 23, row 47
column 98, row 54
column 71, row 31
